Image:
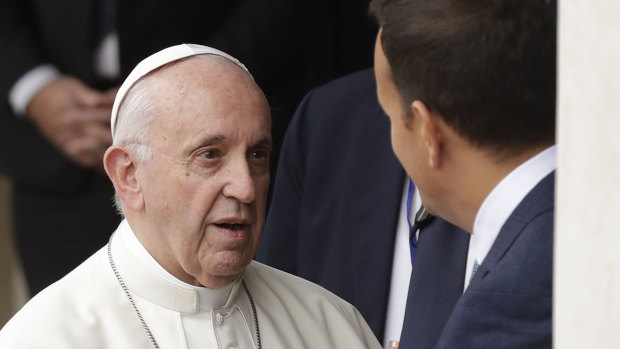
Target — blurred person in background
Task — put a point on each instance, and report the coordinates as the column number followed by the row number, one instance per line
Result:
column 62, row 62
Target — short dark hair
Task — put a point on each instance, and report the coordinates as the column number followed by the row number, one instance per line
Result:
column 487, row 66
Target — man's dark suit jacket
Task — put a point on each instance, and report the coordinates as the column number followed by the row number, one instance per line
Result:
column 63, row 213
column 336, row 203
column 508, row 303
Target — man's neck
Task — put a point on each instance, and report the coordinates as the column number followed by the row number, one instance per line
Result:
column 477, row 173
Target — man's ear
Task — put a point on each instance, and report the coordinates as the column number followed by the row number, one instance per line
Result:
column 430, row 132
column 121, row 169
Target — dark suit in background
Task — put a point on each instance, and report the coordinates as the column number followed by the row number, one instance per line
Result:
column 436, row 284
column 63, row 212
column 336, row 198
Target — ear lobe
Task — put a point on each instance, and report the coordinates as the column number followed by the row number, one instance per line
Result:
column 121, row 169
column 430, row 132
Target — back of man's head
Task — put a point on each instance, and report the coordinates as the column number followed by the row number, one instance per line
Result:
column 487, row 66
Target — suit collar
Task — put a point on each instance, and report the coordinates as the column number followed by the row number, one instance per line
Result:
column 538, row 200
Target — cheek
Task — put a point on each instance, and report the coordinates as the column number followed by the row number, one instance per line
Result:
column 197, row 193
column 262, row 187
column 397, row 144
column 406, row 152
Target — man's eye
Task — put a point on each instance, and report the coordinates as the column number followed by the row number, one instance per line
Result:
column 258, row 154
column 210, row 154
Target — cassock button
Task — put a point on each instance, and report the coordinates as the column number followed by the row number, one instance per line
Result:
column 221, row 315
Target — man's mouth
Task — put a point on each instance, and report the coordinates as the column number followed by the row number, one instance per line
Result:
column 232, row 226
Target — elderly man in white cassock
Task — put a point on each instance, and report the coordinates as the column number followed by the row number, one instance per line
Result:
column 190, row 165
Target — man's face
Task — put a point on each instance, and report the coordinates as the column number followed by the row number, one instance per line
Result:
column 407, row 140
column 205, row 187
column 391, row 102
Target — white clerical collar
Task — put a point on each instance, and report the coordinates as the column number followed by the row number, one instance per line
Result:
column 502, row 201
column 208, row 298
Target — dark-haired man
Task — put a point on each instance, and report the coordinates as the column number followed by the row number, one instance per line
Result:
column 469, row 88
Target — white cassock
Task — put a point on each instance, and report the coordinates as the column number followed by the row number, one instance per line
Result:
column 88, row 308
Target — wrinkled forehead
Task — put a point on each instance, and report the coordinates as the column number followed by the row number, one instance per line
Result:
column 158, row 60
column 195, row 97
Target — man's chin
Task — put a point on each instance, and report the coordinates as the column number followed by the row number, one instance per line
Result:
column 229, row 266
column 217, row 281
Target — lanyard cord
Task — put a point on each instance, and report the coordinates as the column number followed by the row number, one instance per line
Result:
column 413, row 241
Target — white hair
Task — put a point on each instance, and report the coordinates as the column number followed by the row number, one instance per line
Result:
column 135, row 115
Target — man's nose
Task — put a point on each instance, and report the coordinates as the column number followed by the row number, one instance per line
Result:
column 240, row 184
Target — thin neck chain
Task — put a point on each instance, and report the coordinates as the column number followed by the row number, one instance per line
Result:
column 133, row 304
column 258, row 342
column 146, row 327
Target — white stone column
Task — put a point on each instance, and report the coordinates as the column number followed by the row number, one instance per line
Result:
column 587, row 236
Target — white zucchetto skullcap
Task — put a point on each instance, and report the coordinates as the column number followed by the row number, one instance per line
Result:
column 156, row 60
